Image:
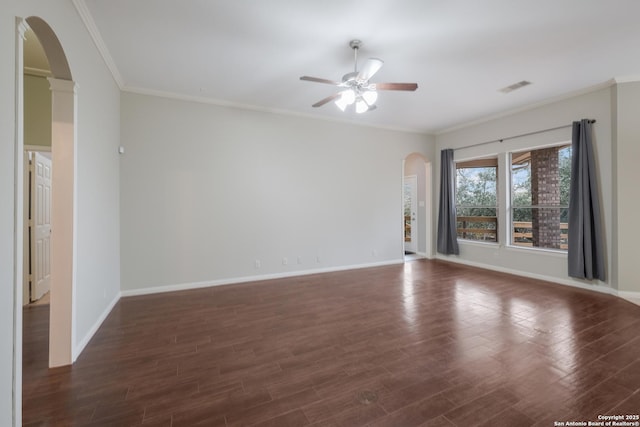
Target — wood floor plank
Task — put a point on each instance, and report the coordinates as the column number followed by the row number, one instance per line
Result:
column 427, row 343
column 417, row 414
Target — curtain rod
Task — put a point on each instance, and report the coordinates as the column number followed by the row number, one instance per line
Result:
column 518, row 136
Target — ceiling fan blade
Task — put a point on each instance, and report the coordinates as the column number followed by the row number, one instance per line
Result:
column 326, row 100
column 369, row 68
column 319, row 80
column 393, row 86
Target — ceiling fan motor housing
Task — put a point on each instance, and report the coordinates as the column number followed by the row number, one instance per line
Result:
column 349, row 76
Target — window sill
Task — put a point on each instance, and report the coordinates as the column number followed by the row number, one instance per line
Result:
column 478, row 243
column 494, row 245
column 542, row 251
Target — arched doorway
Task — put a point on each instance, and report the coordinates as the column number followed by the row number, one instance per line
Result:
column 63, row 153
column 416, row 219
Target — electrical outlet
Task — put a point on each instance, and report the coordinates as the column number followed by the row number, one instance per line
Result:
column 257, row 264
column 374, row 252
column 317, row 259
column 285, row 261
column 299, row 260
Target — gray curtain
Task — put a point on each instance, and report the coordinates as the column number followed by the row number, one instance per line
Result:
column 447, row 233
column 586, row 246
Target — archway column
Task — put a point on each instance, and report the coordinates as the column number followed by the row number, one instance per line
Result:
column 63, row 232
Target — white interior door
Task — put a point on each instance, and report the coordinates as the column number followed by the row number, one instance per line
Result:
column 40, row 225
column 410, row 213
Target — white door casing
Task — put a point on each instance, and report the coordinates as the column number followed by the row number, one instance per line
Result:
column 40, row 225
column 26, row 277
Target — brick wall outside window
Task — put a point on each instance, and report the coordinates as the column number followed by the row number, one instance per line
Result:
column 545, row 190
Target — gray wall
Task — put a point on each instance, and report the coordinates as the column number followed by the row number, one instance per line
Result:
column 207, row 190
column 617, row 150
column 626, row 175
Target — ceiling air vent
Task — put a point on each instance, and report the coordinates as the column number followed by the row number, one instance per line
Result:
column 514, row 86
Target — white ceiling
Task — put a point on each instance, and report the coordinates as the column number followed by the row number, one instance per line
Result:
column 252, row 53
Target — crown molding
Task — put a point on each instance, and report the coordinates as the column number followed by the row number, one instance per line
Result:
column 627, row 79
column 237, row 105
column 89, row 23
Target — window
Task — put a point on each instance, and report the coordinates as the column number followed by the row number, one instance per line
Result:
column 540, row 197
column 477, row 199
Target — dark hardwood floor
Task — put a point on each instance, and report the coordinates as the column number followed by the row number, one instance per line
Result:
column 427, row 343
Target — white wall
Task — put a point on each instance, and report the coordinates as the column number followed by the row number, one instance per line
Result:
column 98, row 273
column 98, row 186
column 553, row 266
column 207, row 190
column 626, row 194
column 7, row 180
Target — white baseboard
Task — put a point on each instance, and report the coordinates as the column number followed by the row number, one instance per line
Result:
column 568, row 282
column 633, row 297
column 244, row 279
column 83, row 343
column 424, row 255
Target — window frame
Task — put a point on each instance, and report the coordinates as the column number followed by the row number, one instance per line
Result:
column 480, row 162
column 511, row 196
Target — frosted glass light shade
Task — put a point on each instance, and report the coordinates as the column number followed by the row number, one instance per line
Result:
column 341, row 104
column 347, row 97
column 370, row 97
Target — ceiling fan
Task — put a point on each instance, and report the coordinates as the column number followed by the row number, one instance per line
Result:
column 355, row 85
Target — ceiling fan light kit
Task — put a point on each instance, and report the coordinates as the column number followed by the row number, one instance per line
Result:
column 357, row 89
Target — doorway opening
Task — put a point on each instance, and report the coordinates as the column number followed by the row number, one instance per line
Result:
column 37, row 225
column 50, row 68
column 410, row 188
column 416, row 208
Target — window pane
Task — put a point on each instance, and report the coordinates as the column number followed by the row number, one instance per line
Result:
column 540, row 228
column 540, row 181
column 521, row 185
column 478, row 224
column 476, row 201
column 564, row 165
column 476, row 187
